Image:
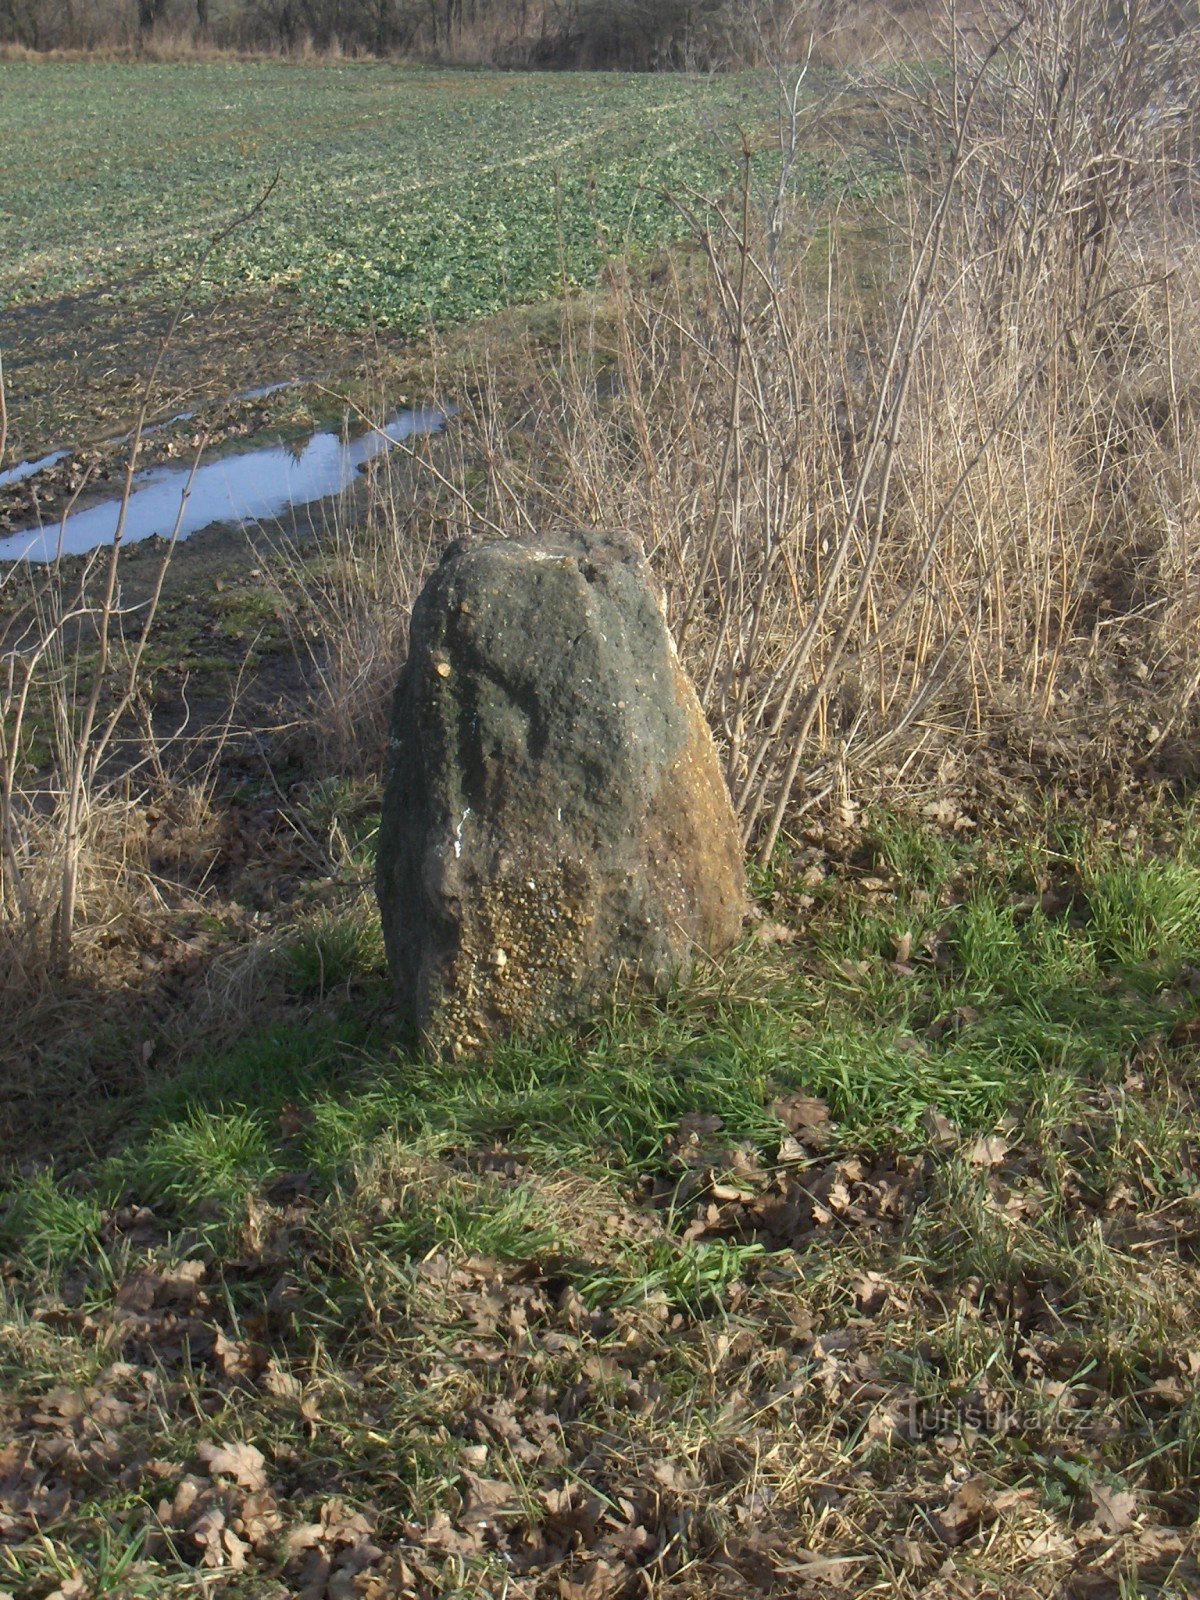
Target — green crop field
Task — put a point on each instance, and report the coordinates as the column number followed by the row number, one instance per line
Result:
column 404, row 196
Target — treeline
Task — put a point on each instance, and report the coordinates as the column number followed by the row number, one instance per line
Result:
column 639, row 35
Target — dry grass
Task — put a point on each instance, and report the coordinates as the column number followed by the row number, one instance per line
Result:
column 72, row 789
column 640, row 1312
column 347, row 604
column 919, row 477
column 79, row 753
column 162, row 46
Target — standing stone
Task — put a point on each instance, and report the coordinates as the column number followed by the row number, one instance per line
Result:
column 556, row 821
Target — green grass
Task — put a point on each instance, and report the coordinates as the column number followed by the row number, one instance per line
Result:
column 330, row 949
column 996, row 1000
column 544, row 1267
column 405, row 196
column 689, row 1276
column 470, row 1217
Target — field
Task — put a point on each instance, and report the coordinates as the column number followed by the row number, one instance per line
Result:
column 404, row 196
column 864, row 1261
column 403, row 199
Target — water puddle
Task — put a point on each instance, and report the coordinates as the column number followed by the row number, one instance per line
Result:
column 260, row 393
column 252, row 487
column 26, row 469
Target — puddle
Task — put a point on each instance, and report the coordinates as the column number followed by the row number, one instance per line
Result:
column 252, row 487
column 263, row 390
column 26, row 469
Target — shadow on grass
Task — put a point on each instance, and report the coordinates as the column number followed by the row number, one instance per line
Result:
column 971, row 981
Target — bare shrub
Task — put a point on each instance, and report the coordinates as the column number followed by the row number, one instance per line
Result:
column 71, row 832
column 346, row 598
column 640, row 35
column 937, row 478
column 77, row 741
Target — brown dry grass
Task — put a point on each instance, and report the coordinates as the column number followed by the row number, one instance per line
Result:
column 918, row 479
column 919, row 476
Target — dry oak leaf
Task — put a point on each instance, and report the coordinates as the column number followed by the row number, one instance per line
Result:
column 870, row 1293
column 600, row 1580
column 790, row 1149
column 219, row 1545
column 281, row 1383
column 940, row 1129
column 73, row 1588
column 190, row 1491
column 171, row 1286
column 59, row 1405
column 487, row 1497
column 1115, row 1509
column 988, row 1152
column 258, row 1518
column 23, row 1512
column 914, row 1555
column 670, row 1475
column 238, row 1358
column 441, row 1535
column 110, row 1412
column 241, row 1462
column 961, row 1517
column 346, row 1533
column 314, row 1578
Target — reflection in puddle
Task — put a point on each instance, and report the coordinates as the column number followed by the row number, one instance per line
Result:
column 27, row 469
column 250, row 487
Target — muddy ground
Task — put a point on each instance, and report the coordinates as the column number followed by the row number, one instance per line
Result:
column 77, row 371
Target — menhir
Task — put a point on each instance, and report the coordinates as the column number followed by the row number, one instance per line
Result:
column 555, row 822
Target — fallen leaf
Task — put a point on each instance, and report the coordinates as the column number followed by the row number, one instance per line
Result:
column 805, row 1117
column 219, row 1545
column 670, row 1475
column 259, row 1518
column 913, row 1555
column 486, row 1497
column 241, row 1462
column 1114, row 1509
column 940, row 1129
column 238, row 1358
column 283, row 1385
column 74, row 1588
column 697, row 1124
column 964, row 1512
column 597, row 1581
column 870, row 1293
column 988, row 1152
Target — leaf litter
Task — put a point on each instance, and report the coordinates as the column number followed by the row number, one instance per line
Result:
column 962, row 1363
column 813, row 1434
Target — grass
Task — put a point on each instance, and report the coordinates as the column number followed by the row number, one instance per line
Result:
column 405, row 196
column 601, row 1272
column 865, row 1263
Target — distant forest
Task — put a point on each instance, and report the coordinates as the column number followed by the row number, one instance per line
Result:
column 640, row 35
